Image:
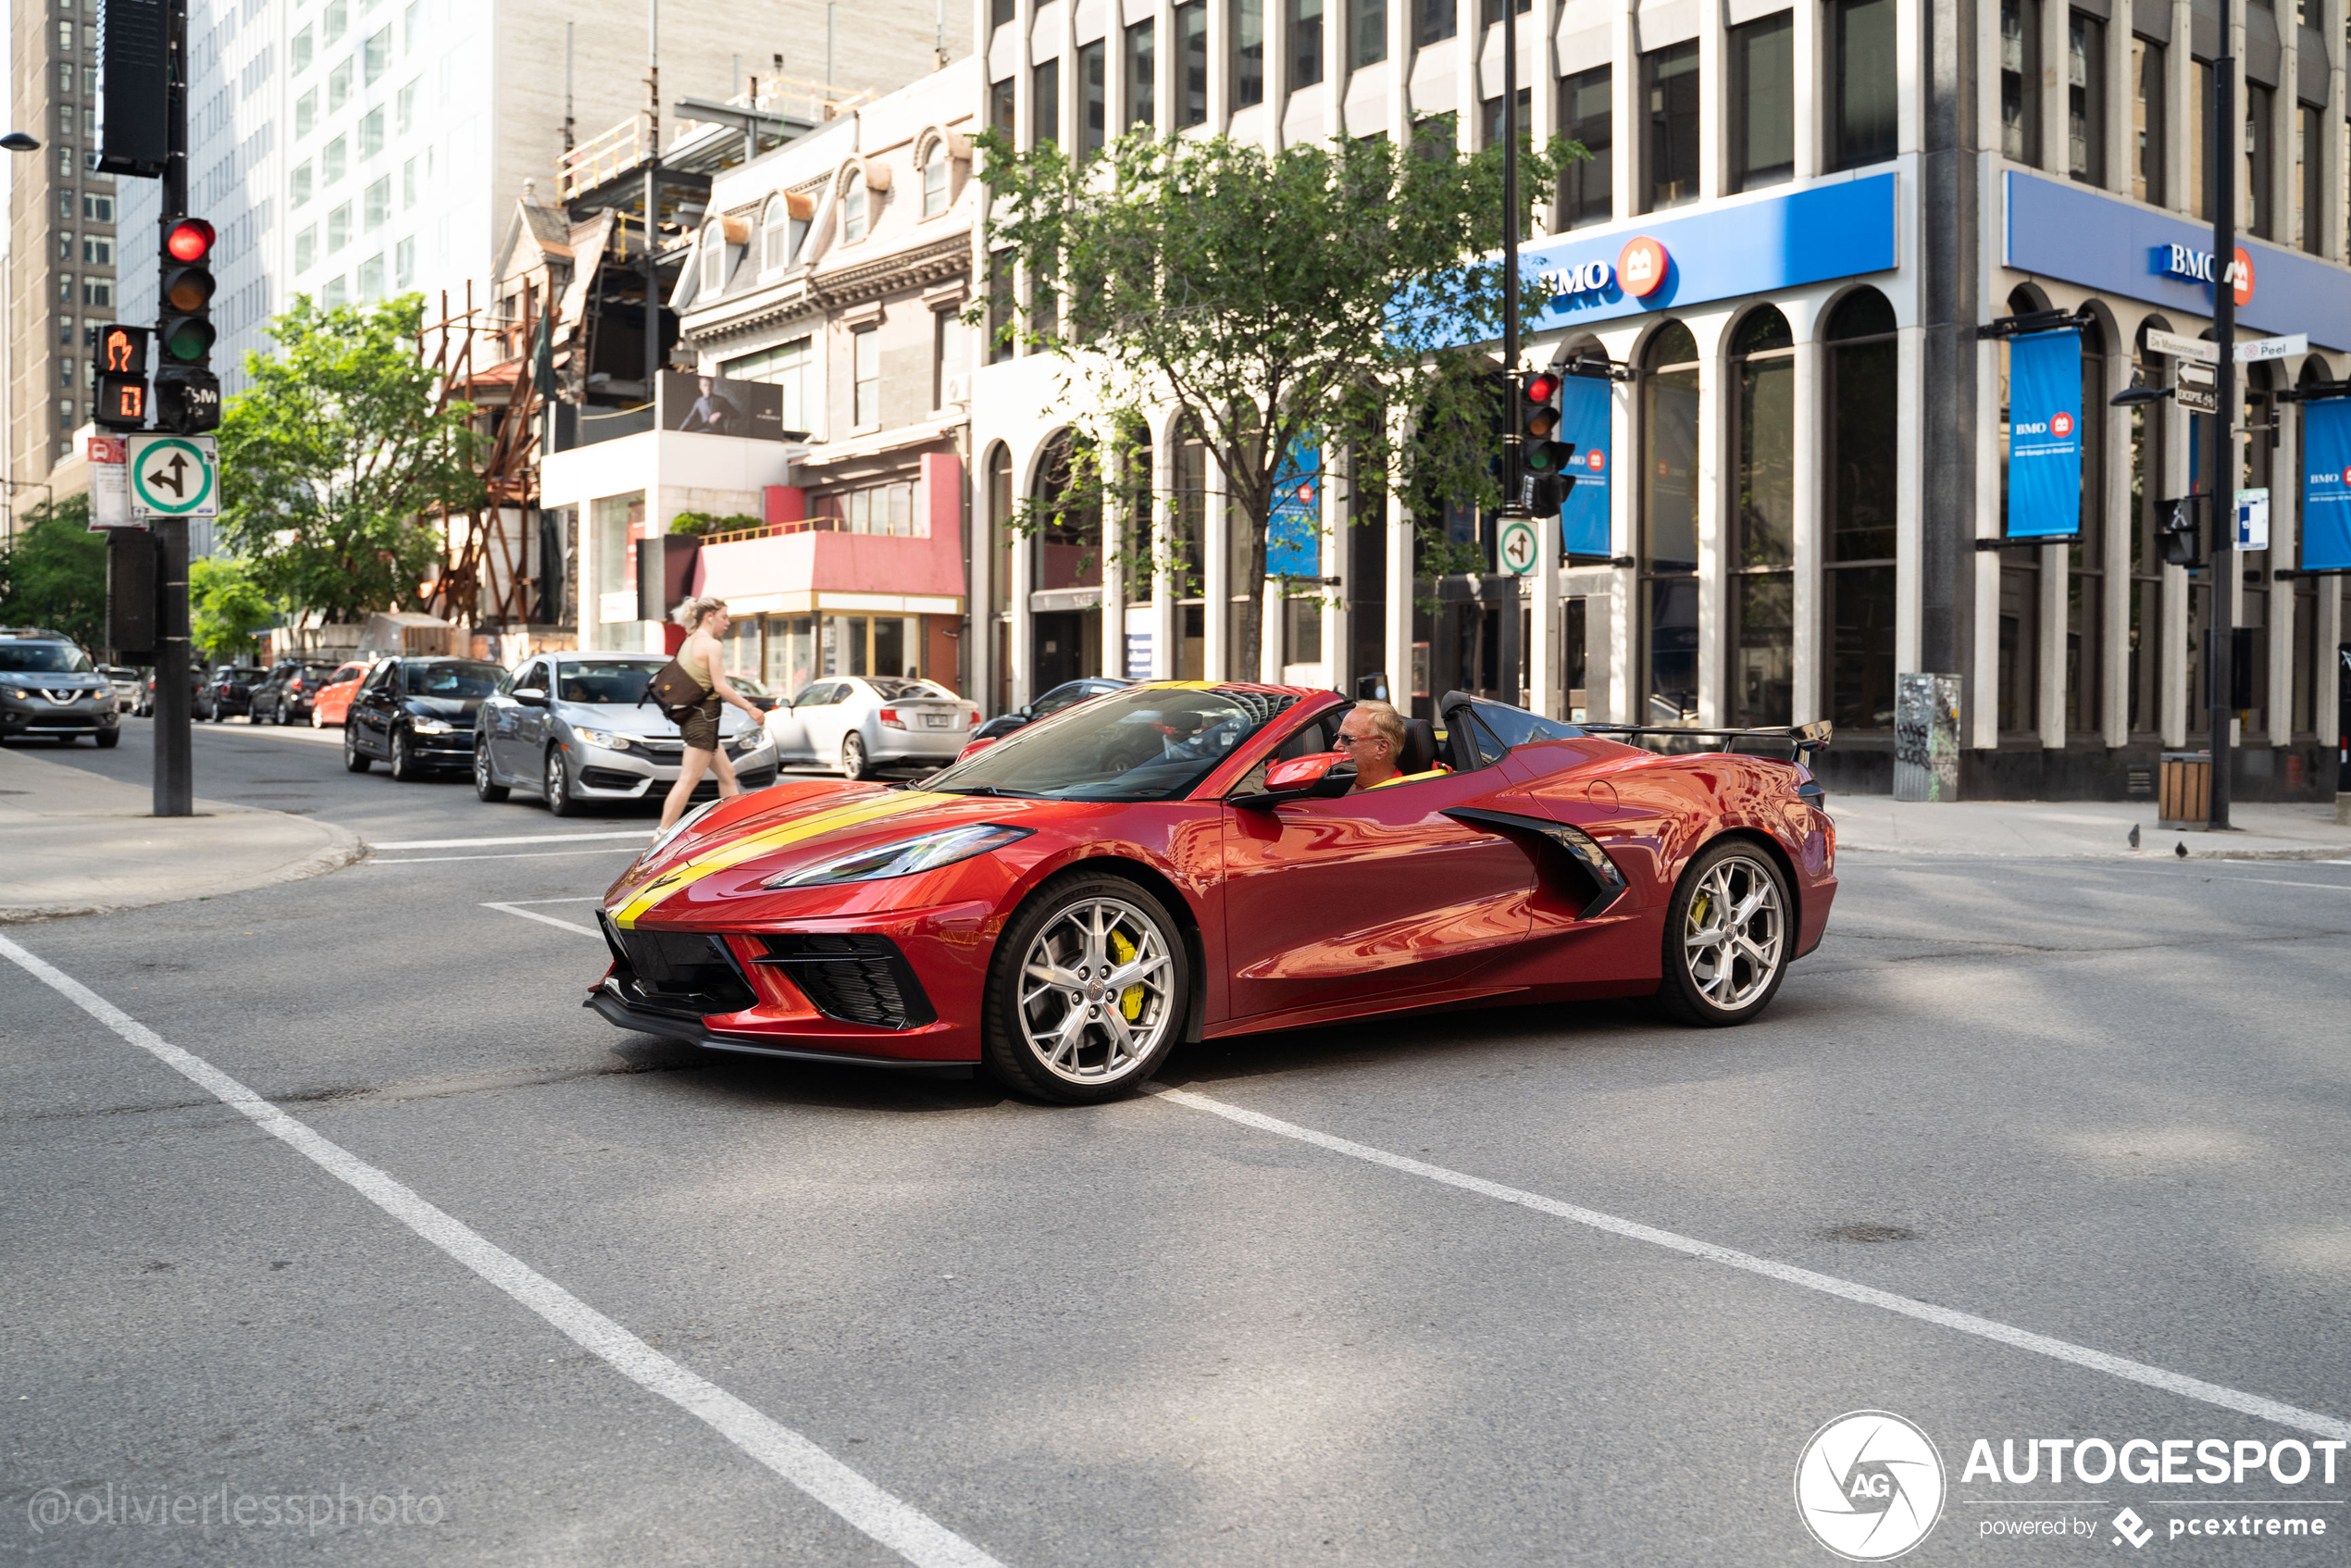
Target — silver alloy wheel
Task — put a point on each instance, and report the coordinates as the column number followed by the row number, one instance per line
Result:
column 557, row 784
column 1096, row 991
column 1733, row 932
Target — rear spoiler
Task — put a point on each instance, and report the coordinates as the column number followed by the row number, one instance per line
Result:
column 1804, row 738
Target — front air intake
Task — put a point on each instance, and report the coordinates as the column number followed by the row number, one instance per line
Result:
column 857, row 978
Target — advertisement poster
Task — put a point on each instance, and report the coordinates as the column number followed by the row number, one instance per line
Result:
column 2326, row 484
column 2045, row 435
column 1585, row 405
column 1294, row 533
column 714, row 407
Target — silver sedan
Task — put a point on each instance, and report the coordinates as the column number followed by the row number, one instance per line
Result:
column 859, row 723
column 576, row 728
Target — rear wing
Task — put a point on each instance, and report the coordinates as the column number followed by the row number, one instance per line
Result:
column 1801, row 739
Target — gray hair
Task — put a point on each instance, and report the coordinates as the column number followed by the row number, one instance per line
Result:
column 694, row 611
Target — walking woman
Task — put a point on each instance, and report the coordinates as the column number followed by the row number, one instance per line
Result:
column 703, row 657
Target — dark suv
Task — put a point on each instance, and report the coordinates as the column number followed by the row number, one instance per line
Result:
column 228, row 689
column 286, row 693
column 49, row 688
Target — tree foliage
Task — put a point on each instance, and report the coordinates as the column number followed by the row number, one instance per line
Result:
column 226, row 607
column 54, row 573
column 1329, row 298
column 333, row 453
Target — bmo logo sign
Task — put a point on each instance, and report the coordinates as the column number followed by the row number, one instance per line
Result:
column 1597, row 460
column 2063, row 425
column 1641, row 266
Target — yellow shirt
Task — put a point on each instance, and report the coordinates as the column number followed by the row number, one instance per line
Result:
column 692, row 659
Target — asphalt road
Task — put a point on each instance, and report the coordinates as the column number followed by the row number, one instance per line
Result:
column 2098, row 1104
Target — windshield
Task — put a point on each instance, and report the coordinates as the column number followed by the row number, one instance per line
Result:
column 43, row 658
column 605, row 680
column 894, row 690
column 1145, row 744
column 240, row 677
column 456, row 681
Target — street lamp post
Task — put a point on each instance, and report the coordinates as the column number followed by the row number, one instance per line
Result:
column 2219, row 677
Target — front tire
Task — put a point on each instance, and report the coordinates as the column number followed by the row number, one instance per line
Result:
column 1730, row 929
column 1087, row 993
column 354, row 761
column 853, row 757
column 486, row 783
column 404, row 758
column 108, row 738
column 557, row 786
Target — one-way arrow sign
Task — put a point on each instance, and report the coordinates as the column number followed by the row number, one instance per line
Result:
column 174, row 476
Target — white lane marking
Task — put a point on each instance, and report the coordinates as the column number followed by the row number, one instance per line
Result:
column 568, row 898
column 522, row 855
column 1828, row 1284
column 898, row 1526
column 515, row 838
column 546, row 919
column 2183, row 873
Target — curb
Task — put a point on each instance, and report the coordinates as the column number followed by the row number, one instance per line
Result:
column 347, row 849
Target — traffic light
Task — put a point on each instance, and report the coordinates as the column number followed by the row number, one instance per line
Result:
column 122, row 378
column 1545, row 457
column 2180, row 546
column 186, row 393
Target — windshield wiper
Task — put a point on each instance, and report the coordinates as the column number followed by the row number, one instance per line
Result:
column 989, row 789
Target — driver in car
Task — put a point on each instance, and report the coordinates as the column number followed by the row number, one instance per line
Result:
column 1372, row 733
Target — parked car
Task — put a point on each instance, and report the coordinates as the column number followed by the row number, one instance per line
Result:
column 332, row 704
column 859, row 723
column 1067, row 694
column 286, row 693
column 576, row 728
column 226, row 690
column 130, row 687
column 417, row 715
column 50, row 690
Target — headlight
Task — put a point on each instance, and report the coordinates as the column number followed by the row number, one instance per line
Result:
column 905, row 857
column 662, row 839
column 430, row 725
column 753, row 739
column 605, row 738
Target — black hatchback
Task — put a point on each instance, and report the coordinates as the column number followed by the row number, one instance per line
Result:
column 417, row 715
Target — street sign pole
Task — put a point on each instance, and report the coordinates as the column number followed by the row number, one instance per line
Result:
column 174, row 762
column 2226, row 167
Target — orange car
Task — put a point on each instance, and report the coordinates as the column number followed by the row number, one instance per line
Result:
column 333, row 702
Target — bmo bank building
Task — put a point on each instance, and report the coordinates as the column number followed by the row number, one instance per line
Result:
column 1770, row 285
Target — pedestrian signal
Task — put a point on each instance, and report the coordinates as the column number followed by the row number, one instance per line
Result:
column 122, row 378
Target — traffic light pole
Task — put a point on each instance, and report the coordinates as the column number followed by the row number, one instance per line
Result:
column 2220, row 675
column 1513, row 438
column 174, row 762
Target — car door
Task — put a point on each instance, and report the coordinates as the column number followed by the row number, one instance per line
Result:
column 495, row 725
column 372, row 710
column 513, row 725
column 1371, row 895
column 785, row 724
column 825, row 720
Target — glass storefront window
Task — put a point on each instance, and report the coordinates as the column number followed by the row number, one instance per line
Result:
column 1668, row 528
column 790, row 661
column 2085, row 561
column 999, row 517
column 1762, row 597
column 2143, row 645
column 1864, row 412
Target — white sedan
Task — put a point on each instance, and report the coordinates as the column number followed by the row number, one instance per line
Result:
column 859, row 723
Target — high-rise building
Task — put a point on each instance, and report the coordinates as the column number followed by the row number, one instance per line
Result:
column 351, row 150
column 62, row 229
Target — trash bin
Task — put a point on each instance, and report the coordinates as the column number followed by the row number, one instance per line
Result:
column 2183, row 790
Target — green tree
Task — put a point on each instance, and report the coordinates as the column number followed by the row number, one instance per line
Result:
column 54, row 573
column 1330, row 299
column 333, row 455
column 226, row 607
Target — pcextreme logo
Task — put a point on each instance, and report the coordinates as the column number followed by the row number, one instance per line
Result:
column 1868, row 1486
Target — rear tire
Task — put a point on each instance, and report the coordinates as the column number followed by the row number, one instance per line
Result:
column 486, row 783
column 1087, row 993
column 853, row 757
column 1729, row 930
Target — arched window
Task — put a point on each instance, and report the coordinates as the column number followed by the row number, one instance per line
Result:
column 1763, row 552
column 2255, row 610
column 1187, row 551
column 999, row 563
column 775, row 236
column 1864, row 420
column 2311, row 677
column 854, row 202
column 2144, row 648
column 2085, row 559
column 1066, row 622
column 937, row 183
column 713, row 259
column 2020, row 637
column 1668, row 553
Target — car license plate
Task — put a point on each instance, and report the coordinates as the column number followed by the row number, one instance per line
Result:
column 935, row 721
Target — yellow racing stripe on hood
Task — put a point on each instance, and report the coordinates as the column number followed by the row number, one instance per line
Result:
column 750, row 847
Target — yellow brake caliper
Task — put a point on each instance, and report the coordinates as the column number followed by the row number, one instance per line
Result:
column 1130, row 1001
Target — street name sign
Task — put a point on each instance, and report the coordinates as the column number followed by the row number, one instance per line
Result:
column 174, row 476
column 2249, row 351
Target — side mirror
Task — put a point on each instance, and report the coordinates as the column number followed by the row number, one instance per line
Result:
column 530, row 696
column 974, row 747
column 1320, row 777
column 1814, row 736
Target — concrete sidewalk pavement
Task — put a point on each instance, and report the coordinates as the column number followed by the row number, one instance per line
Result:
column 72, row 842
column 2069, row 830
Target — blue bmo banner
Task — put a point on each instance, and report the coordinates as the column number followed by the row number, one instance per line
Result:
column 2045, row 435
column 1294, row 533
column 2326, row 484
column 1585, row 403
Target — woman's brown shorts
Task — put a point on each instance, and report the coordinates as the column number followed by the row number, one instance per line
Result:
column 699, row 728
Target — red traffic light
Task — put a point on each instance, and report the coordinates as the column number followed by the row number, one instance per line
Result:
column 1542, row 386
column 190, row 240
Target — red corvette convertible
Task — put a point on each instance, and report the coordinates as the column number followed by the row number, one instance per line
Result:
column 1189, row 861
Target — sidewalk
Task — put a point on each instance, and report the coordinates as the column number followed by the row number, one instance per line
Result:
column 74, row 843
column 2082, row 829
